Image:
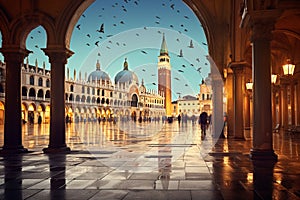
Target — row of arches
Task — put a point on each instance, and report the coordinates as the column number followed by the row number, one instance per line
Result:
column 35, row 93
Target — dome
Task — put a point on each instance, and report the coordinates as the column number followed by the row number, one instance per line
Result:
column 98, row 74
column 126, row 75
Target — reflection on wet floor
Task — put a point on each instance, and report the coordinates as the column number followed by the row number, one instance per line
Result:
column 147, row 160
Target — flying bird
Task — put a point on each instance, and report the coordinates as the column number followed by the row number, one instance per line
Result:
column 87, row 44
column 144, row 52
column 88, row 35
column 157, row 17
column 197, row 59
column 183, row 66
column 96, row 43
column 204, row 43
column 154, row 83
column 176, row 78
column 191, row 44
column 171, row 26
column 143, row 70
column 99, row 54
column 186, row 17
column 36, row 46
column 121, row 22
column 31, row 37
column 172, row 6
column 101, row 29
column 180, row 70
column 78, row 26
column 83, row 15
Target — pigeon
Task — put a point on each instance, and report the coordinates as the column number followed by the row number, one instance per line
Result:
column 172, row 6
column 96, row 43
column 88, row 35
column 101, row 29
column 78, row 26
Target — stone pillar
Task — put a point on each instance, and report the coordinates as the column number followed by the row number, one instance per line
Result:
column 230, row 106
column 12, row 126
column 284, row 106
column 297, row 103
column 238, row 102
column 217, row 113
column 292, row 102
column 262, row 24
column 274, row 121
column 58, row 59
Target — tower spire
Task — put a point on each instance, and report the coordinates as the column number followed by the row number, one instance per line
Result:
column 163, row 48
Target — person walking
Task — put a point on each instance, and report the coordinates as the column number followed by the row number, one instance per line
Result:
column 179, row 118
column 203, row 122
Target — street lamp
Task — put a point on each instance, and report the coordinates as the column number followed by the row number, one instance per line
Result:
column 288, row 69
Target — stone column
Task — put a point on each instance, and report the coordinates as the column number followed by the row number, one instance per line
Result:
column 12, row 126
column 238, row 102
column 217, row 113
column 274, row 91
column 58, row 59
column 230, row 107
column 292, row 101
column 284, row 106
column 262, row 24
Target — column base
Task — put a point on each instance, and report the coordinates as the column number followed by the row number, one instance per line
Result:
column 13, row 150
column 56, row 150
column 263, row 155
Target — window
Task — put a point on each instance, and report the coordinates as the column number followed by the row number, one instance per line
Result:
column 82, row 89
column 40, row 81
column 47, row 83
column 88, row 90
column 203, row 96
column 103, row 92
column 31, row 80
column 71, row 88
column 111, row 94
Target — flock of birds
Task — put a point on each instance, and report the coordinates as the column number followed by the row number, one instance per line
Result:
column 94, row 39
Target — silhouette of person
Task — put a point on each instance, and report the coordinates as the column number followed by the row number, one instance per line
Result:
column 179, row 118
column 203, row 122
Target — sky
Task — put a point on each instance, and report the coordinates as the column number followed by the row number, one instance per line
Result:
column 133, row 29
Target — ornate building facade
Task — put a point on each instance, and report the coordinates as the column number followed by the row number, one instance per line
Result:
column 90, row 98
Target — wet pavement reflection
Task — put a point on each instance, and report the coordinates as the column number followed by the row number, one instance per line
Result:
column 149, row 161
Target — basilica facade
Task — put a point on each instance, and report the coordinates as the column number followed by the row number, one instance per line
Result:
column 90, row 98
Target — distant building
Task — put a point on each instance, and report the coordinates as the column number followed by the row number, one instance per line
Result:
column 87, row 98
column 192, row 106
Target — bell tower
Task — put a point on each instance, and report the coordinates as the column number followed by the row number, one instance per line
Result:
column 164, row 76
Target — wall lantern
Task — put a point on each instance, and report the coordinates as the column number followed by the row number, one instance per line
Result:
column 288, row 69
column 273, row 78
column 249, row 86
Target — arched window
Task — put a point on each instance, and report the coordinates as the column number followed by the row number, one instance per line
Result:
column 88, row 90
column 47, row 83
column 134, row 100
column 107, row 101
column 40, row 81
column 77, row 98
column 31, row 80
column 103, row 92
column 102, row 100
column 71, row 88
column 24, row 91
column 93, row 91
column 31, row 92
column 82, row 89
column 71, row 97
column 98, row 100
column 47, row 94
column 40, row 93
column 111, row 94
column 98, row 92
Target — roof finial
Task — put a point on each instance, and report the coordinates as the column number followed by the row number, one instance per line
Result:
column 125, row 64
column 98, row 65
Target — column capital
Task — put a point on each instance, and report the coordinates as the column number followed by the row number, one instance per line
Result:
column 14, row 53
column 58, row 54
column 239, row 67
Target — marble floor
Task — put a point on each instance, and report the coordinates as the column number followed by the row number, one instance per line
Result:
column 147, row 161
